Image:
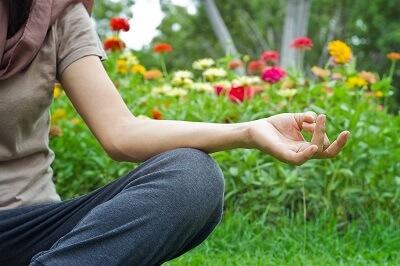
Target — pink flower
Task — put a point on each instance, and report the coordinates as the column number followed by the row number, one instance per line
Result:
column 270, row 56
column 273, row 74
column 302, row 43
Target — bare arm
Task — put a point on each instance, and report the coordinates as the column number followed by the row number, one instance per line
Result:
column 126, row 138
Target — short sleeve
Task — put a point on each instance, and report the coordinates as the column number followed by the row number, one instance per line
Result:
column 76, row 37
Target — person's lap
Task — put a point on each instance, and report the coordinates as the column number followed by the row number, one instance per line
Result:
column 150, row 203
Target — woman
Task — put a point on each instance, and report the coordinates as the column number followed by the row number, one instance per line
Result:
column 162, row 209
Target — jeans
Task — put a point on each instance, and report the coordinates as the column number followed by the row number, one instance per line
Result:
column 162, row 209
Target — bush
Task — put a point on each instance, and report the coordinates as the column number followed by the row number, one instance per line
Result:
column 365, row 176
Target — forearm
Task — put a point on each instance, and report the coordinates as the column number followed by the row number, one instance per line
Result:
column 139, row 139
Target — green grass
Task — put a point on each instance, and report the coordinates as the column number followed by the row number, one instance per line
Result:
column 241, row 239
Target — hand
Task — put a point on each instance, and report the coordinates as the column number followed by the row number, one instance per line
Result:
column 280, row 136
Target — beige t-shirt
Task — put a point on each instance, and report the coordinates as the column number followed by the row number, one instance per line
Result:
column 25, row 157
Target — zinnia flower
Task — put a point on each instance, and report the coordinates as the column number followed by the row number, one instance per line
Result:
column 340, row 51
column 240, row 93
column 273, row 74
column 157, row 114
column 138, row 69
column 302, row 43
column 255, row 67
column 153, row 74
column 57, row 91
column 162, row 48
column 354, row 82
column 235, row 64
column 368, row 76
column 287, row 93
column 203, row 64
column 122, row 67
column 393, row 56
column 118, row 24
column 320, row 72
column 213, row 73
column 270, row 56
column 113, row 44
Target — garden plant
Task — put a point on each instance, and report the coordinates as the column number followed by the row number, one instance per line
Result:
column 339, row 211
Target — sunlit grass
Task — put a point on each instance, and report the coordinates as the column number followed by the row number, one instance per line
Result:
column 244, row 240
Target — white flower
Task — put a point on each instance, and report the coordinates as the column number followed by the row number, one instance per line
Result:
column 246, row 80
column 161, row 90
column 182, row 74
column 143, row 117
column 182, row 78
column 287, row 92
column 226, row 85
column 203, row 64
column 130, row 58
column 206, row 87
column 212, row 73
column 176, row 92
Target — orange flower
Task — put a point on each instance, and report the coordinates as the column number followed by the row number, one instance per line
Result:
column 255, row 67
column 162, row 48
column 235, row 64
column 113, row 44
column 153, row 74
column 393, row 56
column 157, row 114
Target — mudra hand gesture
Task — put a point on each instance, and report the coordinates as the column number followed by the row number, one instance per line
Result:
column 280, row 136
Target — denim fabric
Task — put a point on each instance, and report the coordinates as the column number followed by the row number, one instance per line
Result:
column 165, row 207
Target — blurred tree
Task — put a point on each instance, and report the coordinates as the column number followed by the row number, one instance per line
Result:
column 369, row 27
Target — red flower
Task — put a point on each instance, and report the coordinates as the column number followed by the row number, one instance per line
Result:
column 273, row 74
column 219, row 89
column 235, row 64
column 255, row 67
column 270, row 56
column 113, row 44
column 157, row 114
column 238, row 94
column 118, row 24
column 302, row 43
column 162, row 48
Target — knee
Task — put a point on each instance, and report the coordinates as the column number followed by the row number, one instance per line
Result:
column 198, row 183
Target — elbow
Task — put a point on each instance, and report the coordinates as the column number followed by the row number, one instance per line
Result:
column 120, row 152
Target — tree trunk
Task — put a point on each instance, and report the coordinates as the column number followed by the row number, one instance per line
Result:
column 220, row 29
column 296, row 24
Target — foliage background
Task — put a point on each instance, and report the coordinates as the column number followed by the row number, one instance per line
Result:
column 344, row 196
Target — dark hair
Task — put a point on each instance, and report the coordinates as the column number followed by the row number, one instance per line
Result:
column 18, row 14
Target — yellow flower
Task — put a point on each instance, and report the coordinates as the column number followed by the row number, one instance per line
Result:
column 378, row 94
column 354, row 82
column 57, row 91
column 138, row 69
column 75, row 121
column 59, row 113
column 122, row 66
column 340, row 51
